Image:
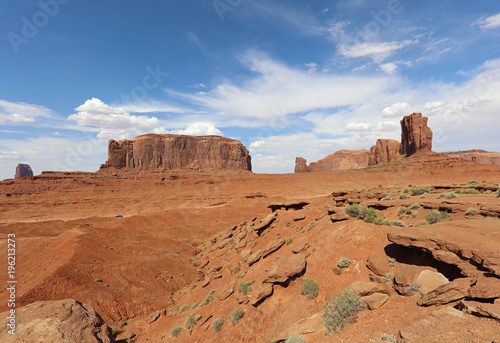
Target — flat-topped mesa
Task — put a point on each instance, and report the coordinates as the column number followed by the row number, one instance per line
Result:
column 178, row 152
column 415, row 134
column 476, row 156
column 384, row 151
column 338, row 161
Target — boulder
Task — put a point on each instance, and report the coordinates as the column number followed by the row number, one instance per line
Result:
column 375, row 300
column 225, row 291
column 23, row 170
column 178, row 152
column 384, row 151
column 264, row 223
column 299, row 216
column 257, row 294
column 272, row 246
column 430, row 280
column 255, row 257
column 486, row 288
column 300, row 245
column 57, row 321
column 364, row 288
column 415, row 134
column 284, row 268
column 378, row 262
column 455, row 290
column 245, row 253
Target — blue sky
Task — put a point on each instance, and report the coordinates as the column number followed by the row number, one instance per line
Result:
column 287, row 78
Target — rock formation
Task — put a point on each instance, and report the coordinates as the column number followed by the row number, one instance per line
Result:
column 340, row 160
column 476, row 156
column 23, row 170
column 384, row 151
column 178, row 151
column 415, row 134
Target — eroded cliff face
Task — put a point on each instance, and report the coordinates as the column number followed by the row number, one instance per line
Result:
column 340, row 160
column 178, row 152
column 415, row 134
column 476, row 156
column 23, row 170
column 384, row 151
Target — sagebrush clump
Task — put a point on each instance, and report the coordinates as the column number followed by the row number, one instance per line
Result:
column 343, row 262
column 244, row 286
column 309, row 288
column 471, row 212
column 436, row 216
column 235, row 315
column 342, row 310
column 176, row 331
column 217, row 324
column 363, row 212
column 295, row 339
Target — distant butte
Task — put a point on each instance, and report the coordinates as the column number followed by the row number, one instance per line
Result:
column 152, row 151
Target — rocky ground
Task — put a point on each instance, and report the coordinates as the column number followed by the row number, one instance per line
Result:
column 144, row 254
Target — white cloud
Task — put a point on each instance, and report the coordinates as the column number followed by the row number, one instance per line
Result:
column 377, row 51
column 113, row 122
column 399, row 109
column 358, row 127
column 277, row 87
column 21, row 113
column 258, row 145
column 313, row 67
column 199, row 129
column 387, row 126
column 488, row 23
column 151, row 107
column 9, row 155
column 388, row 68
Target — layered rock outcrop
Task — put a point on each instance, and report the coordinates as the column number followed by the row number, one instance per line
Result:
column 476, row 156
column 23, row 170
column 340, row 160
column 178, row 152
column 415, row 134
column 384, row 151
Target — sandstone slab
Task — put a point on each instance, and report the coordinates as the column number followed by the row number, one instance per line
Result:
column 284, row 268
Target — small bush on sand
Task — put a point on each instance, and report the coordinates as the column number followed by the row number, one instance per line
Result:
column 190, row 321
column 413, row 288
column 344, row 262
column 244, row 286
column 498, row 192
column 419, row 191
column 403, row 196
column 309, row 288
column 176, row 331
column 436, row 216
column 217, row 324
column 451, row 195
column 342, row 310
column 386, row 198
column 295, row 339
column 235, row 315
column 364, row 212
column 471, row 212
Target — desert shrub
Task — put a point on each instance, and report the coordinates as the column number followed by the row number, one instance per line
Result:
column 344, row 262
column 467, row 191
column 403, row 196
column 190, row 321
column 436, row 216
column 217, row 324
column 488, row 191
column 184, row 308
column 287, row 224
column 406, row 190
column 492, row 218
column 423, row 196
column 342, row 310
column 176, row 331
column 244, row 286
column 236, row 270
column 415, row 214
column 289, row 241
column 336, row 270
column 309, row 288
column 498, row 192
column 391, row 222
column 386, row 198
column 235, row 315
column 451, row 195
column 442, row 195
column 208, row 299
column 364, row 212
column 419, row 191
column 421, row 222
column 415, row 206
column 388, row 277
column 413, row 289
column 174, row 308
column 472, row 182
column 401, row 211
column 295, row 339
column 471, row 212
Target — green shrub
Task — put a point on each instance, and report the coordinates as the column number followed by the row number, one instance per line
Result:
column 174, row 308
column 235, row 315
column 287, row 224
column 415, row 206
column 451, row 195
column 406, row 190
column 217, row 324
column 386, row 198
column 498, row 192
column 190, row 321
column 295, row 339
column 244, row 286
column 176, row 331
column 414, row 214
column 442, row 195
column 423, row 196
column 208, row 299
column 419, row 191
column 471, row 212
column 472, row 182
column 403, row 196
column 436, row 216
column 488, row 191
column 344, row 262
column 288, row 241
column 467, row 191
column 388, row 277
column 421, row 222
column 391, row 222
column 413, row 288
column 236, row 270
column 342, row 310
column 310, row 288
column 364, row 212
column 184, row 308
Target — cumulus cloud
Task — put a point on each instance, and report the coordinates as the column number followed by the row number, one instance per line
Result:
column 258, row 145
column 21, row 113
column 388, row 68
column 199, row 129
column 358, row 127
column 398, row 109
column 377, row 51
column 488, row 23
